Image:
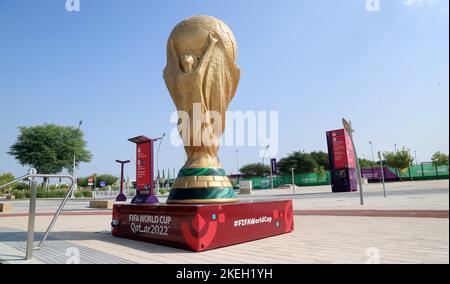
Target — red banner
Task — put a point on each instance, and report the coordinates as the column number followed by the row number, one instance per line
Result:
column 342, row 147
column 143, row 165
column 339, row 148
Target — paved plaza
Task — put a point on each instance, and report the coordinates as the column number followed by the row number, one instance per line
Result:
column 411, row 225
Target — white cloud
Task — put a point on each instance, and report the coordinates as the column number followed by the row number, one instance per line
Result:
column 420, row 3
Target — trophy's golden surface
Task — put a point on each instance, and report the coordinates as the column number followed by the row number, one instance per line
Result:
column 202, row 77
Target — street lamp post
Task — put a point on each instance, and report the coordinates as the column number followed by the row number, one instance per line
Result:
column 293, row 180
column 410, row 165
column 264, row 155
column 237, row 161
column 380, row 156
column 157, row 161
column 271, row 174
column 373, row 159
column 95, row 182
column 74, row 161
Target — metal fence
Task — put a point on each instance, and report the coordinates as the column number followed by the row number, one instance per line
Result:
column 108, row 194
column 310, row 179
column 424, row 171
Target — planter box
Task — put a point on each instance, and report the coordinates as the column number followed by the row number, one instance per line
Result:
column 10, row 197
column 101, row 204
column 5, row 207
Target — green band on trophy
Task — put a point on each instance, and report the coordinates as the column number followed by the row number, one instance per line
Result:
column 208, row 195
column 201, row 172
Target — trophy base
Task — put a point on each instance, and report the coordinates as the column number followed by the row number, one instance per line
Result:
column 202, row 186
column 202, row 227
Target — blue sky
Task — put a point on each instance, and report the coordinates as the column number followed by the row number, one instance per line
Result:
column 312, row 61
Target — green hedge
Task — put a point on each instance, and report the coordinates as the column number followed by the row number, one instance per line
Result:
column 51, row 194
column 83, row 193
column 21, row 194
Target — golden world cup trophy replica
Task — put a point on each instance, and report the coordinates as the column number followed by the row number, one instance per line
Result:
column 202, row 77
column 202, row 214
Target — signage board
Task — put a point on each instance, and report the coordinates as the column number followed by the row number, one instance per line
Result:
column 273, row 164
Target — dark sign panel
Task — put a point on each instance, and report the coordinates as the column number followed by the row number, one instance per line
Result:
column 273, row 164
column 342, row 161
column 339, row 148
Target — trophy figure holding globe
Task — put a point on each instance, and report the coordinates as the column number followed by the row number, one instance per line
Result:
column 202, row 78
column 202, row 211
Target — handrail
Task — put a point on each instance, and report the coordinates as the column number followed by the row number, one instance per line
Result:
column 15, row 181
column 32, row 174
column 61, row 206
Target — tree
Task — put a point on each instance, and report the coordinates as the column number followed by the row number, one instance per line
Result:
column 365, row 163
column 439, row 159
column 302, row 162
column 6, row 177
column 321, row 159
column 320, row 172
column 108, row 179
column 49, row 148
column 254, row 170
column 400, row 160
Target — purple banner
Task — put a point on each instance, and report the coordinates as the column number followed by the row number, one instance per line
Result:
column 375, row 174
column 273, row 163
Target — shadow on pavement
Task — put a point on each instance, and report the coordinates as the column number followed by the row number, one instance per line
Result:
column 104, row 236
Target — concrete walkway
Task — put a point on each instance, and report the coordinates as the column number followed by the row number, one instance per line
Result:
column 353, row 237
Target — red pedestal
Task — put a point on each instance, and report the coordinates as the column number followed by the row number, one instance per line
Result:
column 202, row 227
